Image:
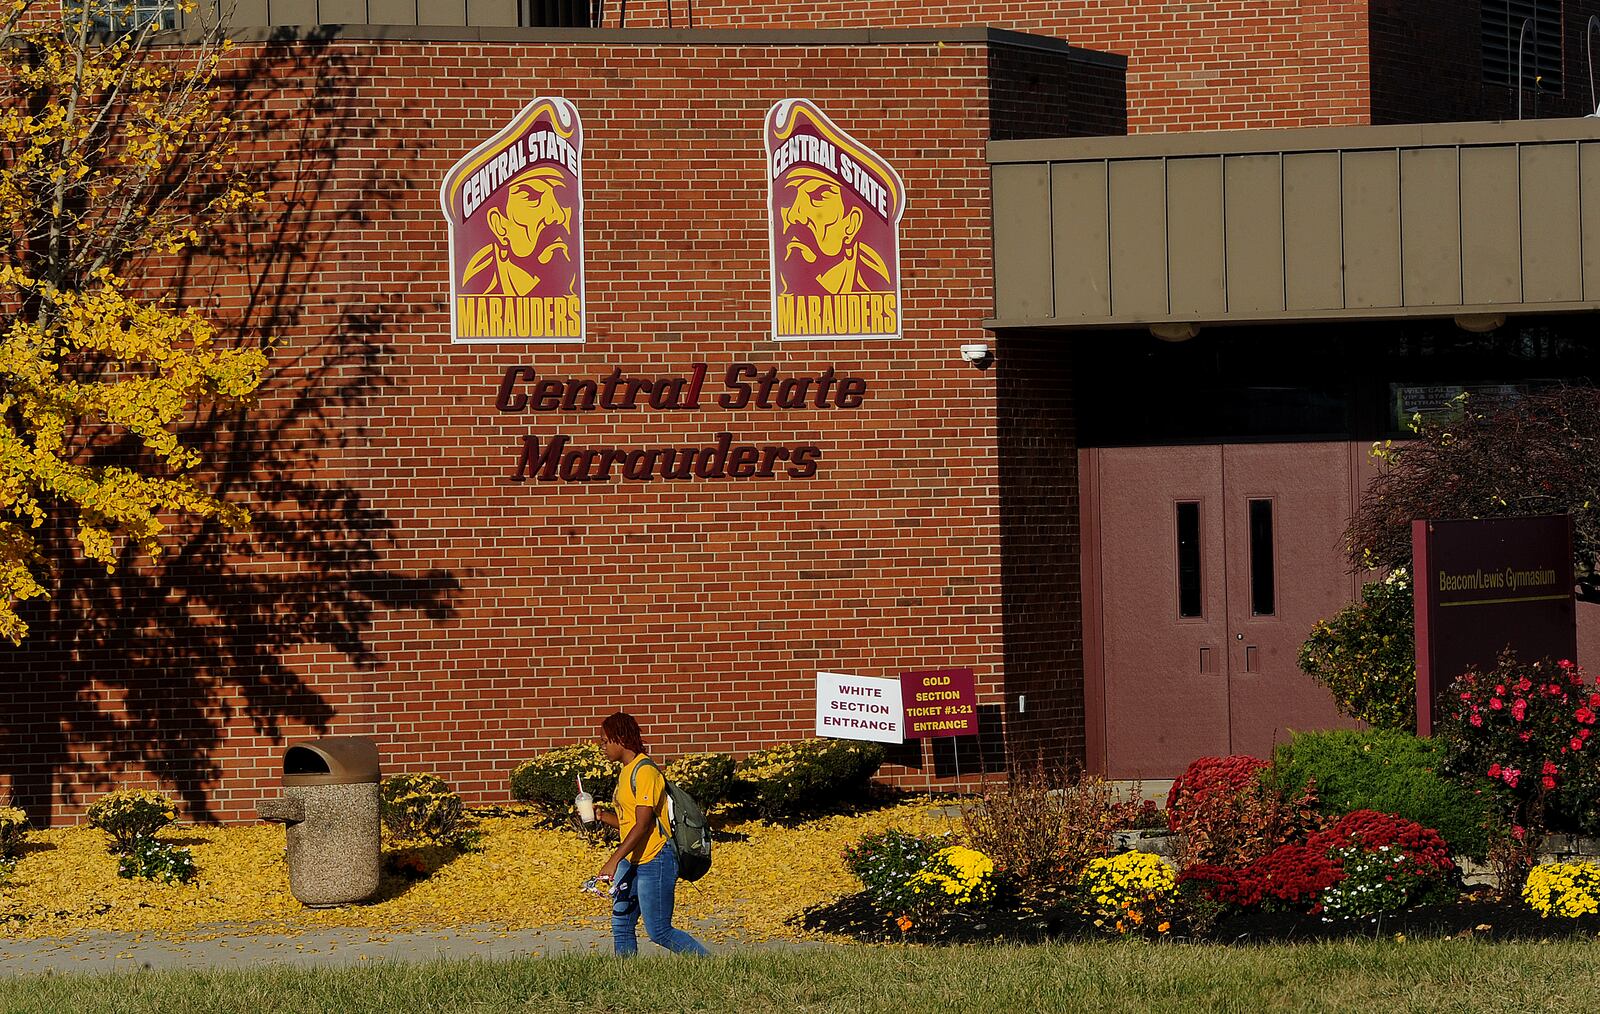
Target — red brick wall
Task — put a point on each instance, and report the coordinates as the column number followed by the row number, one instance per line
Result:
column 1236, row 63
column 399, row 585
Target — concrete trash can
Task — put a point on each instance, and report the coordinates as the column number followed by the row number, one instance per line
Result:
column 329, row 809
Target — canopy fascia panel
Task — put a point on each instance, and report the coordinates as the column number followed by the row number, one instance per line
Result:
column 1317, row 224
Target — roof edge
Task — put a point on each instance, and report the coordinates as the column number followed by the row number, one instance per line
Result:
column 1295, row 139
column 965, row 35
column 1326, row 316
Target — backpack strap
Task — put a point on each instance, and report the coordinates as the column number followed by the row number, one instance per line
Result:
column 633, row 786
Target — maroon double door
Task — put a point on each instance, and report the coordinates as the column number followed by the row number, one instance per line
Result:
column 1205, row 569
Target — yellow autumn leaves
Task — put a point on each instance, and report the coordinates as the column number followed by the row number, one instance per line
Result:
column 524, row 877
column 111, row 152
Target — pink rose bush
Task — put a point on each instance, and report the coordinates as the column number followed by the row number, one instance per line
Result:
column 1528, row 728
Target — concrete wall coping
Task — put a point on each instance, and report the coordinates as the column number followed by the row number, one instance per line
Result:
column 971, row 35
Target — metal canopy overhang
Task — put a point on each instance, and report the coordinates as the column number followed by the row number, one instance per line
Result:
column 1278, row 226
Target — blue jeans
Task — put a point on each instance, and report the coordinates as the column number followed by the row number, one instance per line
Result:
column 650, row 889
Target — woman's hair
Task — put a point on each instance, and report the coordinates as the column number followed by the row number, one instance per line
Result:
column 622, row 729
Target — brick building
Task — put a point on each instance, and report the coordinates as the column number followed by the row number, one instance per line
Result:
column 413, row 577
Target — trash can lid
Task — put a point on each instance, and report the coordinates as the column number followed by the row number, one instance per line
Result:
column 331, row 760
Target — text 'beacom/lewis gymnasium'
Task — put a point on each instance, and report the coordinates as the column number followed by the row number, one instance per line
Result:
column 711, row 372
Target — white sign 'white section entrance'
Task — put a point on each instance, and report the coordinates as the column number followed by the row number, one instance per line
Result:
column 859, row 707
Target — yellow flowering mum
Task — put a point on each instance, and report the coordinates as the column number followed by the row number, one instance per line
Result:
column 955, row 876
column 1565, row 890
column 1129, row 891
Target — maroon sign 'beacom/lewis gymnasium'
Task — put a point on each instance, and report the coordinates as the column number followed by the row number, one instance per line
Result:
column 1486, row 586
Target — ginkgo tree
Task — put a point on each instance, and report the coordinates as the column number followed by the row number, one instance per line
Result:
column 117, row 159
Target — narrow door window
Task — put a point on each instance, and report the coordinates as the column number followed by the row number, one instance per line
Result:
column 1263, row 579
column 1189, row 598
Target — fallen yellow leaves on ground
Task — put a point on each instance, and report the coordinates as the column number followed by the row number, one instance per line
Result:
column 525, row 877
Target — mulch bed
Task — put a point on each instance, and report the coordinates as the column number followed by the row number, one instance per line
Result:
column 855, row 916
column 1475, row 916
column 1481, row 917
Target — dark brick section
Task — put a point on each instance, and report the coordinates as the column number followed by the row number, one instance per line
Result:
column 1042, row 598
column 1036, row 93
column 1427, row 65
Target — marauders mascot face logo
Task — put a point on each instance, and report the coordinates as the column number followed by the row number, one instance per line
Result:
column 515, row 208
column 834, row 210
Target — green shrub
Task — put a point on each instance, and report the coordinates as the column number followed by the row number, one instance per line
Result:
column 150, row 859
column 550, row 780
column 1577, row 809
column 797, row 778
column 130, row 816
column 708, row 777
column 1387, row 771
column 13, row 829
column 886, row 861
column 423, row 808
column 1366, row 656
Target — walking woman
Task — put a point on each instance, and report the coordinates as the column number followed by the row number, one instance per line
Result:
column 644, row 867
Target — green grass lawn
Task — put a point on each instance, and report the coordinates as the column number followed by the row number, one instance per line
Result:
column 1379, row 976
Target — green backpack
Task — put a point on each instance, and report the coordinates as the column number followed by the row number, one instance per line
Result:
column 684, row 825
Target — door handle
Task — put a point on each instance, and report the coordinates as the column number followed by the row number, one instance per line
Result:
column 1250, row 658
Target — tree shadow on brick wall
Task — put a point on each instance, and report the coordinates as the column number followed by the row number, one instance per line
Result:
column 137, row 675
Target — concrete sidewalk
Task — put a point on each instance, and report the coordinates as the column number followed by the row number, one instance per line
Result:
column 239, row 947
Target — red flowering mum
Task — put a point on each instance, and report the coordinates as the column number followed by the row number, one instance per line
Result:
column 1206, row 777
column 1292, row 876
column 1295, row 876
column 1426, row 849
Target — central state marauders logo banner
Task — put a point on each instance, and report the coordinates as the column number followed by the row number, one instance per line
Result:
column 515, row 208
column 834, row 208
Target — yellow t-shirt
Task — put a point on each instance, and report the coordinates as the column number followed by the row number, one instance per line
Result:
column 652, row 791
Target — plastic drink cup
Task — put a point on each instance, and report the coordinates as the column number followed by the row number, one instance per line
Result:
column 585, row 804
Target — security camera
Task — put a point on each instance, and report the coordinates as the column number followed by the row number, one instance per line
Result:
column 975, row 354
